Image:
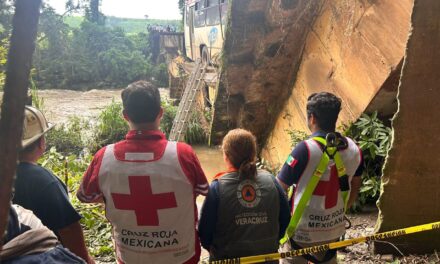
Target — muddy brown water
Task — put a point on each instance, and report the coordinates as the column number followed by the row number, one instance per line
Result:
column 60, row 105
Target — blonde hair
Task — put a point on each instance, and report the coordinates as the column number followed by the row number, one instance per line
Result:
column 240, row 147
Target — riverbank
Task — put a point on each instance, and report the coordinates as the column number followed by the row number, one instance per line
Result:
column 59, row 105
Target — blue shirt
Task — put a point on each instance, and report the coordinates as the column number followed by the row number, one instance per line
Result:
column 208, row 218
column 291, row 173
column 38, row 190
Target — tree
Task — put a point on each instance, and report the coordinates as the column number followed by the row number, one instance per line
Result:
column 23, row 36
column 182, row 6
column 93, row 14
column 5, row 31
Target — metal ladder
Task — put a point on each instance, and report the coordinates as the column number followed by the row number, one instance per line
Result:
column 186, row 104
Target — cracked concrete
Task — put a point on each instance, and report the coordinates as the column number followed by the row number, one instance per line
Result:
column 354, row 66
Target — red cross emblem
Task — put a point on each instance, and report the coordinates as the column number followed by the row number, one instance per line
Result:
column 329, row 189
column 143, row 202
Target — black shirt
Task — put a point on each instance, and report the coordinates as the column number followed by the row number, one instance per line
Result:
column 40, row 191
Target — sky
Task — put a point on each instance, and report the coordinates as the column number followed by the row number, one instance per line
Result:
column 160, row 9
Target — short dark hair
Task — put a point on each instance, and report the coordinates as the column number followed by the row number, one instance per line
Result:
column 141, row 101
column 325, row 107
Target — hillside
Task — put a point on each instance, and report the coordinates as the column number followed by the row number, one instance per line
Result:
column 130, row 25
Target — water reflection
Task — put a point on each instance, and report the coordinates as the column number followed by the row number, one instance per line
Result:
column 211, row 160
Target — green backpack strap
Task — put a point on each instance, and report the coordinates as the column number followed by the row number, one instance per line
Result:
column 314, row 180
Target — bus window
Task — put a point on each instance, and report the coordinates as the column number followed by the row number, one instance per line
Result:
column 212, row 3
column 212, row 16
column 200, row 5
column 203, row 4
column 199, row 18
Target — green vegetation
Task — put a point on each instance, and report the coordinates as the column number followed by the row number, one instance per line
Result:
column 111, row 127
column 69, row 138
column 195, row 133
column 129, row 25
column 169, row 113
column 5, row 31
column 70, row 169
column 88, row 52
column 373, row 137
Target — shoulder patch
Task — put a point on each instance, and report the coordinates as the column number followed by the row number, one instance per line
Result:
column 291, row 161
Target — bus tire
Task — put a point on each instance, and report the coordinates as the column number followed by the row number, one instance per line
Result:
column 205, row 56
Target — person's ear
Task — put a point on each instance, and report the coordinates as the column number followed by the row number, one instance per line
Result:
column 42, row 143
column 227, row 161
column 160, row 115
column 312, row 119
column 124, row 114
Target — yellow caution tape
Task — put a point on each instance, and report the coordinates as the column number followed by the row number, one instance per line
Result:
column 325, row 247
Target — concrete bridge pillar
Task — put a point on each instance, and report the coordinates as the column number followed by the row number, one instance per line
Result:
column 411, row 181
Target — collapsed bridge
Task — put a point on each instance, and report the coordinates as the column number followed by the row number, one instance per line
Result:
column 277, row 52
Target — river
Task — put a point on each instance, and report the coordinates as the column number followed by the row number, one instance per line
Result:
column 59, row 105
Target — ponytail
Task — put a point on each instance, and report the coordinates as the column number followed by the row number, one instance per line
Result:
column 247, row 170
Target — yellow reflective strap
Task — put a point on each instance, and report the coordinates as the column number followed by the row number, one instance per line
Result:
column 320, row 140
column 311, row 186
column 290, row 193
column 305, row 198
column 339, row 164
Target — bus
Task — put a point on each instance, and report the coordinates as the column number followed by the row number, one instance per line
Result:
column 205, row 26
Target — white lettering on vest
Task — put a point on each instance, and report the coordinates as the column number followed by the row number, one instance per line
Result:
column 251, row 218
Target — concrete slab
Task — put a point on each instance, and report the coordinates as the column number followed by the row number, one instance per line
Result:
column 411, row 182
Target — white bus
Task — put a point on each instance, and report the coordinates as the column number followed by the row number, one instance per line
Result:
column 205, row 26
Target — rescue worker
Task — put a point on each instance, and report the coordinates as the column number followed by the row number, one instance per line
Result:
column 40, row 191
column 28, row 241
column 328, row 166
column 246, row 212
column 149, row 186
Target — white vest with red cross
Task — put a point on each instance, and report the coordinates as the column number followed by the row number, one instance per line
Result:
column 150, row 205
column 323, row 218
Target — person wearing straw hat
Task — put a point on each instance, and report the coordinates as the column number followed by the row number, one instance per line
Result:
column 39, row 190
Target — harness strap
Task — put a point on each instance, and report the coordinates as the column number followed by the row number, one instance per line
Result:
column 329, row 152
column 344, row 184
column 305, row 198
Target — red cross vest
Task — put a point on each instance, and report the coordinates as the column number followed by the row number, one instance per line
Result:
column 323, row 218
column 150, row 205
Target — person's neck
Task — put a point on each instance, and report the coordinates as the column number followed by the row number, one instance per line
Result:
column 317, row 130
column 145, row 126
column 29, row 159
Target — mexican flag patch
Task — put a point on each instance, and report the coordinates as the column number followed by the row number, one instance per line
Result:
column 291, row 161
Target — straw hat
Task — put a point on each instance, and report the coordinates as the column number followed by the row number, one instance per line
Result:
column 35, row 125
